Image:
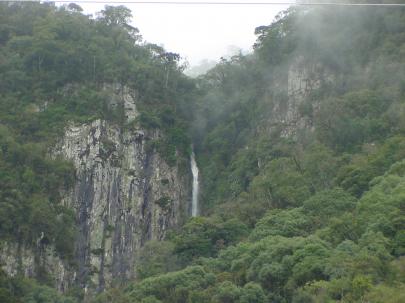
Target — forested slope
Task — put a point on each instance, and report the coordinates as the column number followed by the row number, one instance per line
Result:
column 60, row 68
column 300, row 147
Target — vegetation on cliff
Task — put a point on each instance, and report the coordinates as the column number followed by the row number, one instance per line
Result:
column 308, row 207
column 58, row 66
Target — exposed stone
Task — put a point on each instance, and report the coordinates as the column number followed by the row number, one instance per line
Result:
column 303, row 78
column 20, row 259
column 118, row 180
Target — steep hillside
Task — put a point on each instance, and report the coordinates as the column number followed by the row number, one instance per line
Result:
column 300, row 147
column 319, row 76
column 94, row 148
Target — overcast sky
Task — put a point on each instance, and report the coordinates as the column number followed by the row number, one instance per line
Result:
column 199, row 32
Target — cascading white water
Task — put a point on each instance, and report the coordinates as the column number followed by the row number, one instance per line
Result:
column 194, row 201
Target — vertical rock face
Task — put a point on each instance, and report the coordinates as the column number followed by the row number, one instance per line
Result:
column 124, row 195
column 19, row 259
column 303, row 78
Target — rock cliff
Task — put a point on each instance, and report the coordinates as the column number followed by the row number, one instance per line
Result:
column 124, row 195
column 287, row 112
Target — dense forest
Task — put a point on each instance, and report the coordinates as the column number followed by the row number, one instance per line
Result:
column 301, row 149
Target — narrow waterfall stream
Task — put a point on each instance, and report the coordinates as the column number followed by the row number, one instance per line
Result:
column 194, row 170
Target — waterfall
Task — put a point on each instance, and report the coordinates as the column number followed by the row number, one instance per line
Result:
column 194, row 170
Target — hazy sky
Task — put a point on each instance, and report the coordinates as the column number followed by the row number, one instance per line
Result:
column 199, row 32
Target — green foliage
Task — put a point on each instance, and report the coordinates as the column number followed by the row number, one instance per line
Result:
column 356, row 176
column 115, row 15
column 204, row 237
column 286, row 185
column 156, row 257
column 164, row 202
column 354, row 118
column 276, row 263
column 43, row 294
column 29, row 195
column 321, row 198
column 16, row 290
column 227, row 293
column 252, row 293
column 382, row 208
column 172, row 287
column 325, row 205
column 287, row 223
column 112, row 295
column 319, row 165
column 175, row 138
column 304, row 209
column 59, row 66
